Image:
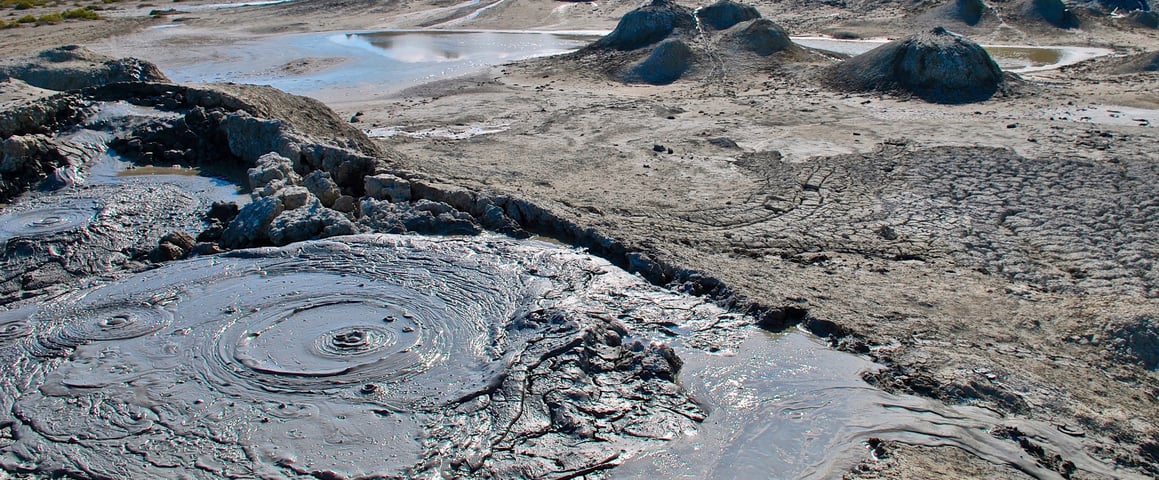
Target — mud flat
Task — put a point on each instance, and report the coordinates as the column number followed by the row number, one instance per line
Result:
column 992, row 258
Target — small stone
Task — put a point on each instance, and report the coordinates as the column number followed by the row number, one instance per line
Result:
column 179, row 238
column 344, row 204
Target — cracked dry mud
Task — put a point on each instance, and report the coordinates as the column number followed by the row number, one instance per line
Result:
column 986, row 254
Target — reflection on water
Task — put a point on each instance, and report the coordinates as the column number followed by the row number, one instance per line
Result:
column 1022, row 57
column 388, row 61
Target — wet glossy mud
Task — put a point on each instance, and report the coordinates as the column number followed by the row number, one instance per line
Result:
column 371, row 355
column 787, row 406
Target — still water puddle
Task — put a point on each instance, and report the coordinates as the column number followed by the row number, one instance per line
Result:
column 334, row 66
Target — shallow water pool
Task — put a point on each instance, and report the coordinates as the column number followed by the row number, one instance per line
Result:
column 337, row 66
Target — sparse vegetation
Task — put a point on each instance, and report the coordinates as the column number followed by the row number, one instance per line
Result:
column 26, row 19
column 80, row 14
column 49, row 19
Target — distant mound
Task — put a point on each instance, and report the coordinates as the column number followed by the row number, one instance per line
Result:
column 937, row 66
column 725, row 14
column 1053, row 12
column 969, row 12
column 1145, row 19
column 1144, row 62
column 661, row 43
column 760, row 36
column 646, row 26
column 72, row 67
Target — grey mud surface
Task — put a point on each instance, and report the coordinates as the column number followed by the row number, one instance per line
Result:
column 998, row 254
column 996, row 259
column 360, row 356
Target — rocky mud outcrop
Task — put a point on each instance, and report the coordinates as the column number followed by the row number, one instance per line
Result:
column 937, row 66
column 73, row 67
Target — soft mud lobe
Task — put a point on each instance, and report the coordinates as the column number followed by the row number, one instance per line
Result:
column 372, row 355
column 786, row 406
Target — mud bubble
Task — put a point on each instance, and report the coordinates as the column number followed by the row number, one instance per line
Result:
column 369, row 355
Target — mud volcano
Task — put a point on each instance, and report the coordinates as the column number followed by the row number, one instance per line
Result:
column 1053, row 12
column 372, row 355
column 663, row 42
column 937, row 66
column 646, row 26
column 1143, row 62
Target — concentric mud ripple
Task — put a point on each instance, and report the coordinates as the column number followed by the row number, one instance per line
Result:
column 336, row 359
column 15, row 325
column 102, row 323
column 67, row 215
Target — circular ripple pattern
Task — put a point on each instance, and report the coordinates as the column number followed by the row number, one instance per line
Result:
column 346, row 358
column 306, row 341
column 15, row 325
column 106, row 323
column 68, row 215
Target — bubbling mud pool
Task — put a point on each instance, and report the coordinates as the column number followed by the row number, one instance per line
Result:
column 403, row 355
column 329, row 356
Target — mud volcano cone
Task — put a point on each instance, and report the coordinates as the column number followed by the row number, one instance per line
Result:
column 937, row 66
column 667, row 62
column 647, row 25
column 1144, row 62
column 1053, row 12
column 969, row 12
column 726, row 13
column 762, row 37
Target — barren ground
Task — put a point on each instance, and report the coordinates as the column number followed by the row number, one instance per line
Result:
column 1001, row 254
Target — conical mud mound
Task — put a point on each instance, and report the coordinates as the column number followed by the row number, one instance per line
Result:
column 1053, row 12
column 937, row 66
column 969, row 12
column 762, row 37
column 662, row 42
column 725, row 14
column 666, row 64
column 1144, row 62
column 646, row 26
